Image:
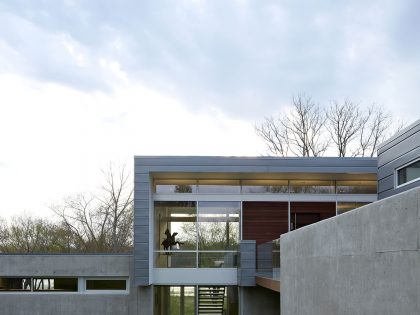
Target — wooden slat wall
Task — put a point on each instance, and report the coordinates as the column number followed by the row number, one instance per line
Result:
column 264, row 221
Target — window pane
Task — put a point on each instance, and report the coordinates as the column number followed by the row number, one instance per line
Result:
column 174, row 300
column 210, row 186
column 171, row 186
column 347, row 206
column 312, row 186
column 55, row 284
column 356, row 187
column 106, row 284
column 175, row 225
column 176, row 259
column 15, row 284
column 218, row 225
column 218, row 259
column 409, row 173
column 264, row 186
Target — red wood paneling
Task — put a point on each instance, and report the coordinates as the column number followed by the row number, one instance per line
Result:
column 264, row 221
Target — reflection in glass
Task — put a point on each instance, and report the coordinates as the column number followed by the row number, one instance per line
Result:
column 312, row 186
column 171, row 186
column 174, row 300
column 268, row 259
column 55, row 284
column 264, row 186
column 218, row 225
column 409, row 173
column 215, row 186
column 217, row 259
column 343, row 207
column 176, row 259
column 179, row 219
column 356, row 187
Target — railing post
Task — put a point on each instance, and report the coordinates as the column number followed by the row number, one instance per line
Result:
column 247, row 263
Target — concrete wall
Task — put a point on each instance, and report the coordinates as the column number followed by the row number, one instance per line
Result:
column 394, row 153
column 366, row 261
column 258, row 300
column 37, row 303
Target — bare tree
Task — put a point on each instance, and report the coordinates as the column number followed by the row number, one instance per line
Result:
column 375, row 127
column 103, row 222
column 343, row 124
column 353, row 131
column 117, row 202
column 299, row 132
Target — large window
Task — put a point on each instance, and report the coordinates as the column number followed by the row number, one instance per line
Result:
column 218, row 233
column 275, row 186
column 408, row 173
column 175, row 234
column 191, row 300
column 261, row 186
column 312, row 186
column 180, row 186
column 188, row 235
column 356, row 187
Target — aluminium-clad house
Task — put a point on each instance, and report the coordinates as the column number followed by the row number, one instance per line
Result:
column 220, row 209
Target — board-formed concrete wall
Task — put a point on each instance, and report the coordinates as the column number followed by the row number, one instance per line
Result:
column 366, row 261
column 82, row 265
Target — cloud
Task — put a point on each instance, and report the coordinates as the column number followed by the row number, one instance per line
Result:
column 246, row 58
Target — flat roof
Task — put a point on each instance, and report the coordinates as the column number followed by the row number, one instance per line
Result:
column 255, row 167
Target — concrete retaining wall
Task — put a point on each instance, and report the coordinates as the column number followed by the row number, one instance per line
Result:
column 37, row 303
column 366, row 261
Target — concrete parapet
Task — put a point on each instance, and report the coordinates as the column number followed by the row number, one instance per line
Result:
column 366, row 261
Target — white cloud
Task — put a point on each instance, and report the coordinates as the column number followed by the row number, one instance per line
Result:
column 85, row 83
column 59, row 138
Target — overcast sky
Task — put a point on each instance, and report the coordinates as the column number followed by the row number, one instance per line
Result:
column 86, row 83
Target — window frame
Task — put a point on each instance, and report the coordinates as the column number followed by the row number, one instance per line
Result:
column 400, row 168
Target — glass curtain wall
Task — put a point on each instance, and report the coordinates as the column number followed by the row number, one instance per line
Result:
column 218, row 234
column 188, row 235
column 175, row 300
column 266, row 186
column 175, row 234
column 191, row 300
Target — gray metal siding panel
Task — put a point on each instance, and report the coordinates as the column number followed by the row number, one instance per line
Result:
column 391, row 192
column 385, row 184
column 396, row 152
column 246, row 270
column 403, row 134
column 399, row 149
column 141, row 228
column 149, row 163
column 389, row 168
column 266, row 169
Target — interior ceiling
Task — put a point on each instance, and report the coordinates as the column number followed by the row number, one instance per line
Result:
column 301, row 175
